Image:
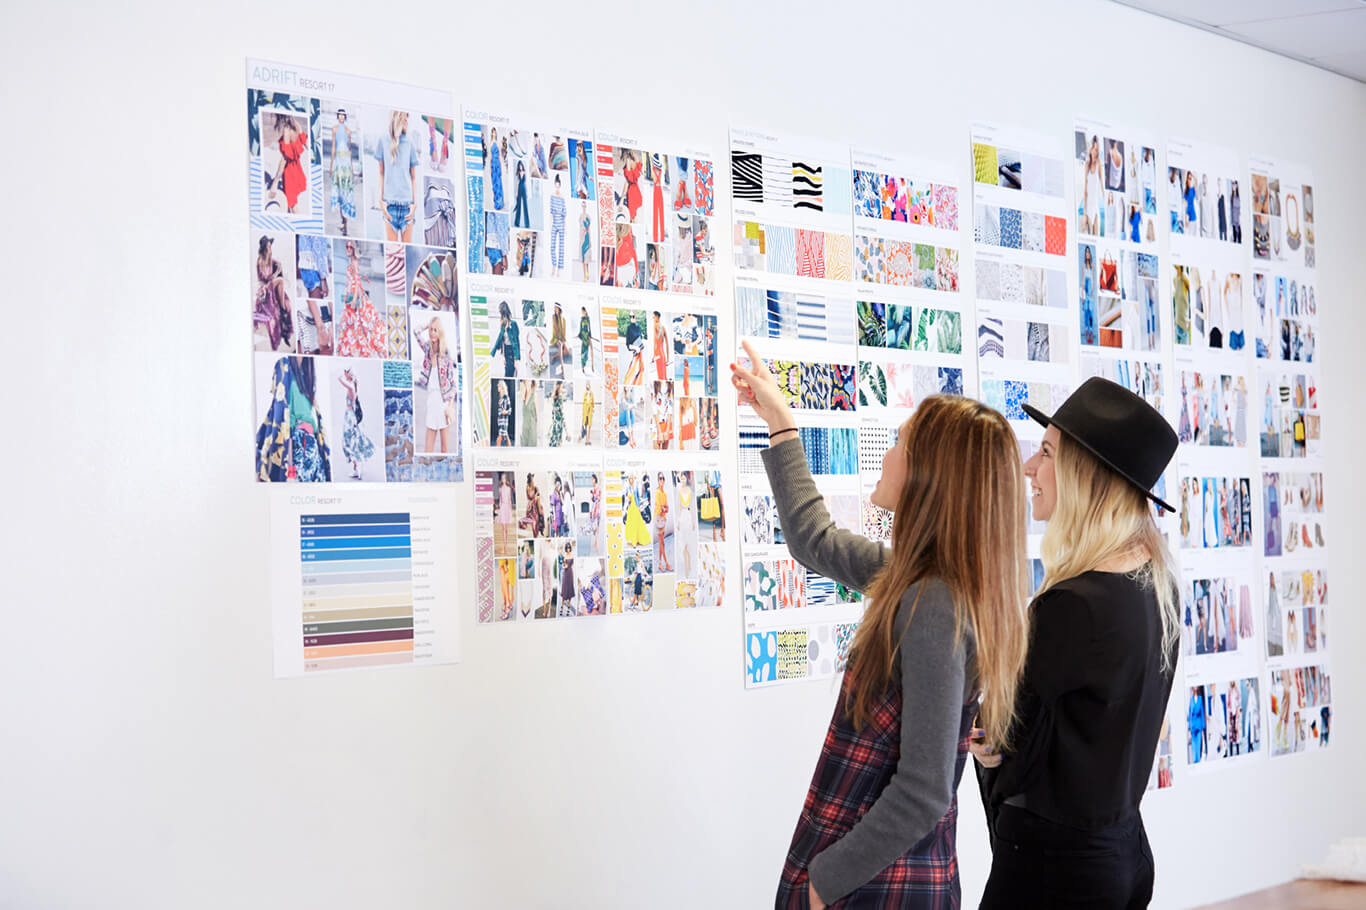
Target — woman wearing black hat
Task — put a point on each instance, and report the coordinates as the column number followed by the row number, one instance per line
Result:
column 1063, row 802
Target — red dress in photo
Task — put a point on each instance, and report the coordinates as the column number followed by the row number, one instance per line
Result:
column 634, row 200
column 293, row 179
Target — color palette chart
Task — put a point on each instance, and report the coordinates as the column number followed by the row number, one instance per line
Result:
column 357, row 589
column 357, row 582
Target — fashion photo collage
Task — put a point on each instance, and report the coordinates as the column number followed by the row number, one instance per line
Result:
column 1282, row 214
column 530, row 199
column 1297, row 622
column 356, row 305
column 538, row 369
column 655, row 213
column 1301, row 709
column 1117, row 258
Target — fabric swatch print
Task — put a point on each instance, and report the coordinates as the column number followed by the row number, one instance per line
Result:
column 873, row 443
column 900, row 267
column 782, row 314
column 1036, row 342
column 810, row 253
column 841, row 325
column 843, row 450
column 925, row 275
column 901, row 386
column 751, row 312
column 837, row 191
column 986, row 224
column 1055, row 235
column 925, row 381
column 900, row 327
column 945, row 207
column 778, row 181
column 781, row 249
column 1032, row 230
column 843, row 389
column 839, row 256
column 816, row 446
column 749, row 245
column 811, row 317
column 867, row 194
column 396, row 333
column 816, row 386
column 872, row 325
column 1012, row 282
column 787, row 373
column 1011, row 228
column 994, row 394
column 703, row 188
column 991, row 343
column 807, row 182
column 877, row 522
column 1010, row 170
column 984, row 163
column 761, row 657
column 844, row 640
column 987, row 273
column 1053, row 177
column 1016, row 394
column 395, row 270
column 872, row 385
column 474, row 200
column 870, row 258
column 1035, row 287
column 950, row 381
column 759, row 521
column 486, row 584
column 948, row 333
column 791, row 588
column 792, row 647
column 747, row 176
column 946, row 269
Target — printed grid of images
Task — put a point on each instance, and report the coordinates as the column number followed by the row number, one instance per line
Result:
column 356, row 311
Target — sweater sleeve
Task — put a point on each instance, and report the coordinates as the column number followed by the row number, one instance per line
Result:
column 812, row 537
column 936, row 673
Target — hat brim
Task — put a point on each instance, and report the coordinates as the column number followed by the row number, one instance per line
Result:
column 1042, row 418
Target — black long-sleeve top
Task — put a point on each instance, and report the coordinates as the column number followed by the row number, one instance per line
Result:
column 1091, row 703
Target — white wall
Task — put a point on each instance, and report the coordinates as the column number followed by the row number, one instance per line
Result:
column 147, row 757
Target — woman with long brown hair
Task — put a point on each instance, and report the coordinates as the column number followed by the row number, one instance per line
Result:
column 1063, row 803
column 944, row 625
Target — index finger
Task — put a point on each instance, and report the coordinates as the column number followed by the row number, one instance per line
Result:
column 756, row 363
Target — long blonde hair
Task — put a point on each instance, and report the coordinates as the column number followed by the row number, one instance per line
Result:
column 440, row 349
column 398, row 125
column 1100, row 516
column 961, row 519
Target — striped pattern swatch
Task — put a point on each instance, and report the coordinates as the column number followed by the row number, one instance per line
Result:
column 806, row 186
column 747, row 176
column 778, row 181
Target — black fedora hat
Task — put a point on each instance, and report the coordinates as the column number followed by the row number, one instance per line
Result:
column 1126, row 433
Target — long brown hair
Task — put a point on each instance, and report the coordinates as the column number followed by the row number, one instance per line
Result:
column 1100, row 516
column 961, row 518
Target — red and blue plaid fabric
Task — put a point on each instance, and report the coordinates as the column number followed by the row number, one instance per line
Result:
column 854, row 768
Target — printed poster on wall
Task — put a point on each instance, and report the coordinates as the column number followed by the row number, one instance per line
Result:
column 793, row 253
column 1026, row 327
column 359, row 580
column 356, row 322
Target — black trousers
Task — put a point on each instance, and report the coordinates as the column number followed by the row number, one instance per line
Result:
column 1039, row 863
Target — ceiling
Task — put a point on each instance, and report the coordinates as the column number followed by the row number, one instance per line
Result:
column 1330, row 34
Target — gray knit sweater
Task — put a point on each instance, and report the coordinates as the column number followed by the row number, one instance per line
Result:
column 937, row 676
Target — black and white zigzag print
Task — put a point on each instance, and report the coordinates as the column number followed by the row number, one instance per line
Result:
column 747, row 176
column 806, row 186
